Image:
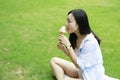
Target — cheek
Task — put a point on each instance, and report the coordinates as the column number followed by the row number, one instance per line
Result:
column 71, row 29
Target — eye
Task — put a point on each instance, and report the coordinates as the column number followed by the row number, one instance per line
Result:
column 69, row 21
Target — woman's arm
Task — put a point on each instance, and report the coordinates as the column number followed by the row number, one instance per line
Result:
column 73, row 56
column 62, row 47
column 63, row 41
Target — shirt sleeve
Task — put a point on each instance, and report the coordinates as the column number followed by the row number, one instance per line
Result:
column 87, row 55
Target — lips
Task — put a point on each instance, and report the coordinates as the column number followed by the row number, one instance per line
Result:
column 67, row 29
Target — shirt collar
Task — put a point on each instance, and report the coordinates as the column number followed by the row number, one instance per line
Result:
column 88, row 37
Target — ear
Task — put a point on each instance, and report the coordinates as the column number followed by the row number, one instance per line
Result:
column 77, row 26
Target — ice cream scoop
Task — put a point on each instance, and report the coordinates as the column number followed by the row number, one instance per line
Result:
column 62, row 30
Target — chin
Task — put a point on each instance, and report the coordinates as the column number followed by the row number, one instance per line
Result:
column 69, row 32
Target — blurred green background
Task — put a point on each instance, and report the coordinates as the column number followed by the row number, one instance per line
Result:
column 29, row 34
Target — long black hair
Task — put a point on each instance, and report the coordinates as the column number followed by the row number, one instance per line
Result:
column 83, row 23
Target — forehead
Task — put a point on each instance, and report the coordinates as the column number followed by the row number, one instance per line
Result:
column 70, row 16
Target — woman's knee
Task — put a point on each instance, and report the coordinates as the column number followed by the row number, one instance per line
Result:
column 54, row 60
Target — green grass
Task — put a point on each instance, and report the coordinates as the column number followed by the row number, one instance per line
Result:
column 29, row 34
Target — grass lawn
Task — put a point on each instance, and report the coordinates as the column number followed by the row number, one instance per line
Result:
column 29, row 34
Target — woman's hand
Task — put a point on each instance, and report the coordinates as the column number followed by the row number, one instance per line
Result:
column 64, row 40
column 63, row 43
column 60, row 46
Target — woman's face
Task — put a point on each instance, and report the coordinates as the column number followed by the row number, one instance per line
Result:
column 71, row 25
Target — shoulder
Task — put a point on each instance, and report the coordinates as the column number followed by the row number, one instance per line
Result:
column 89, row 41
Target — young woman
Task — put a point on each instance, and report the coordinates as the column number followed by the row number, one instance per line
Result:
column 82, row 48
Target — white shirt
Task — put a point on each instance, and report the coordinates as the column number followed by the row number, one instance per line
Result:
column 90, row 59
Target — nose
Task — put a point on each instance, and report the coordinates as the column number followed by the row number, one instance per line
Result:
column 66, row 24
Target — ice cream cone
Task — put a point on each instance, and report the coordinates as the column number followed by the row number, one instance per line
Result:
column 62, row 30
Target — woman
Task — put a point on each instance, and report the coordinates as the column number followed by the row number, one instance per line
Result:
column 82, row 48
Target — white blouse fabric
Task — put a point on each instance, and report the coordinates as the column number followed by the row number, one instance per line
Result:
column 90, row 59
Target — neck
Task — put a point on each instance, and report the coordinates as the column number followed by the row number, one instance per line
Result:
column 79, row 36
column 79, row 39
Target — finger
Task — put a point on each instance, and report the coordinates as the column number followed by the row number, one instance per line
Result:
column 59, row 39
column 61, row 36
column 60, row 42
